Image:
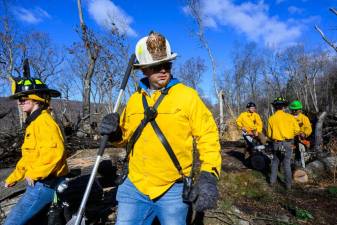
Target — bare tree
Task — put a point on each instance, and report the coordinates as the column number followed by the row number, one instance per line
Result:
column 195, row 9
column 190, row 72
column 92, row 50
column 326, row 39
column 45, row 60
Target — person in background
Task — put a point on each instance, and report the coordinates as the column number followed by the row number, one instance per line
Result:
column 159, row 123
column 250, row 122
column 282, row 128
column 43, row 162
column 301, row 141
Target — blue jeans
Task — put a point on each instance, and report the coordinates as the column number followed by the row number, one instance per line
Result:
column 135, row 208
column 33, row 200
column 284, row 157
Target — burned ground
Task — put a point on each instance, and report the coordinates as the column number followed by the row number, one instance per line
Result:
column 246, row 198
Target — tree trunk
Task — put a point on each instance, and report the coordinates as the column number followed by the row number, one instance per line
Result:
column 318, row 133
column 92, row 53
column 86, row 104
column 221, row 123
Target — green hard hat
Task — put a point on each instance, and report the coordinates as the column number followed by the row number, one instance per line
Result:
column 295, row 105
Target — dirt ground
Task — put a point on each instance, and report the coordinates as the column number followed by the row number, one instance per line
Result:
column 246, row 197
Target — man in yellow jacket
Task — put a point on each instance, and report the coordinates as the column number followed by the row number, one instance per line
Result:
column 302, row 120
column 43, row 162
column 282, row 128
column 250, row 122
column 305, row 130
column 171, row 115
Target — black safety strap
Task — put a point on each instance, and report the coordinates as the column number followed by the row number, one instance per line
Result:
column 150, row 114
column 163, row 140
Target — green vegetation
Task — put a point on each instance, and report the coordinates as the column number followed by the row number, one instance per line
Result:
column 332, row 191
column 249, row 184
column 299, row 213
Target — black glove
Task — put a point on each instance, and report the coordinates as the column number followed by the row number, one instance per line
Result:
column 110, row 126
column 205, row 192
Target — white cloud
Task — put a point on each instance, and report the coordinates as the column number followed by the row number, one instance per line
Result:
column 32, row 16
column 251, row 19
column 294, row 10
column 108, row 15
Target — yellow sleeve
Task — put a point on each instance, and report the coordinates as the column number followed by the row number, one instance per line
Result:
column 269, row 129
column 206, row 133
column 125, row 130
column 296, row 127
column 18, row 173
column 259, row 124
column 307, row 126
column 239, row 121
column 51, row 150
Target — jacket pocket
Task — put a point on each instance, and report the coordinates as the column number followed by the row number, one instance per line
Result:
column 29, row 143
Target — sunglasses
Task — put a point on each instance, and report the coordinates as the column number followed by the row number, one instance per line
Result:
column 166, row 66
column 23, row 100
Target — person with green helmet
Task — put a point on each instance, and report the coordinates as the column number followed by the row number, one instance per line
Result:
column 303, row 121
column 43, row 162
column 282, row 128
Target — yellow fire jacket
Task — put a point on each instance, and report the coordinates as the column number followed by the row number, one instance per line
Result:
column 250, row 121
column 182, row 116
column 282, row 126
column 304, row 123
column 43, row 152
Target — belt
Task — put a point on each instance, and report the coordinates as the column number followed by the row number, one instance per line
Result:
column 50, row 182
column 285, row 140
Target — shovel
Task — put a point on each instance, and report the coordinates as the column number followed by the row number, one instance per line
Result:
column 76, row 220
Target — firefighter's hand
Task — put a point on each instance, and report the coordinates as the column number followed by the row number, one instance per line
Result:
column 302, row 135
column 109, row 124
column 205, row 192
column 7, row 185
column 30, row 181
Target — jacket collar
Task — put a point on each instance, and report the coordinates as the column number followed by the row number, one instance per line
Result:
column 145, row 85
column 33, row 116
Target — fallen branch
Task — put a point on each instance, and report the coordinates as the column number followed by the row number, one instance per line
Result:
column 218, row 218
column 222, row 213
column 268, row 219
column 229, row 213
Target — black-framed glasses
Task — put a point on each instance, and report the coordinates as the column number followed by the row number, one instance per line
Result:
column 22, row 100
column 166, row 66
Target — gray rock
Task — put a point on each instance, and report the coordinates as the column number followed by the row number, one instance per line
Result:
column 320, row 167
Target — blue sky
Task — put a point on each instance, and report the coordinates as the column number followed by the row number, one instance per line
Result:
column 274, row 24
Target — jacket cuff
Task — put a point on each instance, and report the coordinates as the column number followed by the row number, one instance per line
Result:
column 212, row 170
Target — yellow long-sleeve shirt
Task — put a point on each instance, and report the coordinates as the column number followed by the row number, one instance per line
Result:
column 182, row 116
column 43, row 152
column 250, row 121
column 304, row 124
column 282, row 126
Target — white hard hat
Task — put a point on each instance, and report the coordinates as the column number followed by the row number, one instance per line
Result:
column 152, row 50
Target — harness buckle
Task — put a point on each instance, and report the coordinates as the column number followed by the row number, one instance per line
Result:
column 150, row 113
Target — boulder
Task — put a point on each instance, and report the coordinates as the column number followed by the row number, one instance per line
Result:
column 321, row 167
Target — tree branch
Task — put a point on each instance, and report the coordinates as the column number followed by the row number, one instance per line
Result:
column 333, row 10
column 325, row 38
